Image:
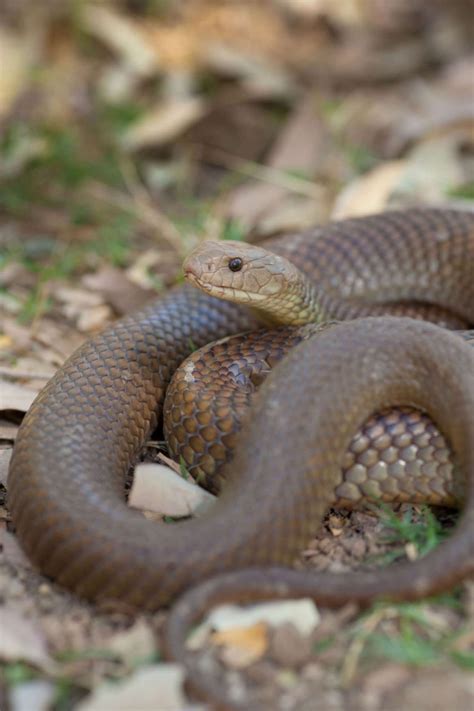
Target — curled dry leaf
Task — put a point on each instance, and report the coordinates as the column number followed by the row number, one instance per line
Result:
column 157, row 488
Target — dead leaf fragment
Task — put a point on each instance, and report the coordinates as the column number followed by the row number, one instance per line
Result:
column 18, row 52
column 369, row 193
column 94, row 318
column 22, row 639
column 300, row 147
column 14, row 396
column 432, row 168
column 242, row 646
column 290, row 648
column 154, row 687
column 302, row 613
column 116, row 289
column 77, row 299
column 122, row 36
column 134, row 644
column 11, row 550
column 5, row 456
column 8, row 430
column 164, row 123
column 157, row 488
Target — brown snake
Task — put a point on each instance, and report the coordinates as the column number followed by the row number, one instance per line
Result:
column 88, row 425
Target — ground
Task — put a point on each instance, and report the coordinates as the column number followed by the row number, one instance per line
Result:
column 128, row 133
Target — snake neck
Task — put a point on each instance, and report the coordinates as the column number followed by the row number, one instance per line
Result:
column 297, row 305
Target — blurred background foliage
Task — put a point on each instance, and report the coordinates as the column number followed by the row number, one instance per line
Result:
column 131, row 130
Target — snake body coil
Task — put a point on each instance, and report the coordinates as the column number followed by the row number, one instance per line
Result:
column 88, row 425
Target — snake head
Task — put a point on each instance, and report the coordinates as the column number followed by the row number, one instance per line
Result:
column 239, row 272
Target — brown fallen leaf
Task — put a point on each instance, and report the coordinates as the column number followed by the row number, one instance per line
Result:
column 299, row 148
column 58, row 340
column 14, row 335
column 123, row 295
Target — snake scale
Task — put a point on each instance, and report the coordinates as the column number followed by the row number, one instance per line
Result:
column 87, row 427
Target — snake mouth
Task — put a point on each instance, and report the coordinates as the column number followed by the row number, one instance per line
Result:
column 228, row 293
column 191, row 277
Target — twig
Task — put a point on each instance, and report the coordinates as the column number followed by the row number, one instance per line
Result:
column 352, row 657
column 144, row 211
column 23, row 374
column 265, row 173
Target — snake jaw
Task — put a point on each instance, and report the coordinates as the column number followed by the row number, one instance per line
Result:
column 227, row 293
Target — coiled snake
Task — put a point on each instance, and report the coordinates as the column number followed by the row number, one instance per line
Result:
column 88, row 425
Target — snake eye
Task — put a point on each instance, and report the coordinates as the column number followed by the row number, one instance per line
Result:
column 235, row 264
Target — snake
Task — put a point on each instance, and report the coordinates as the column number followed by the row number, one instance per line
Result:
column 88, row 426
